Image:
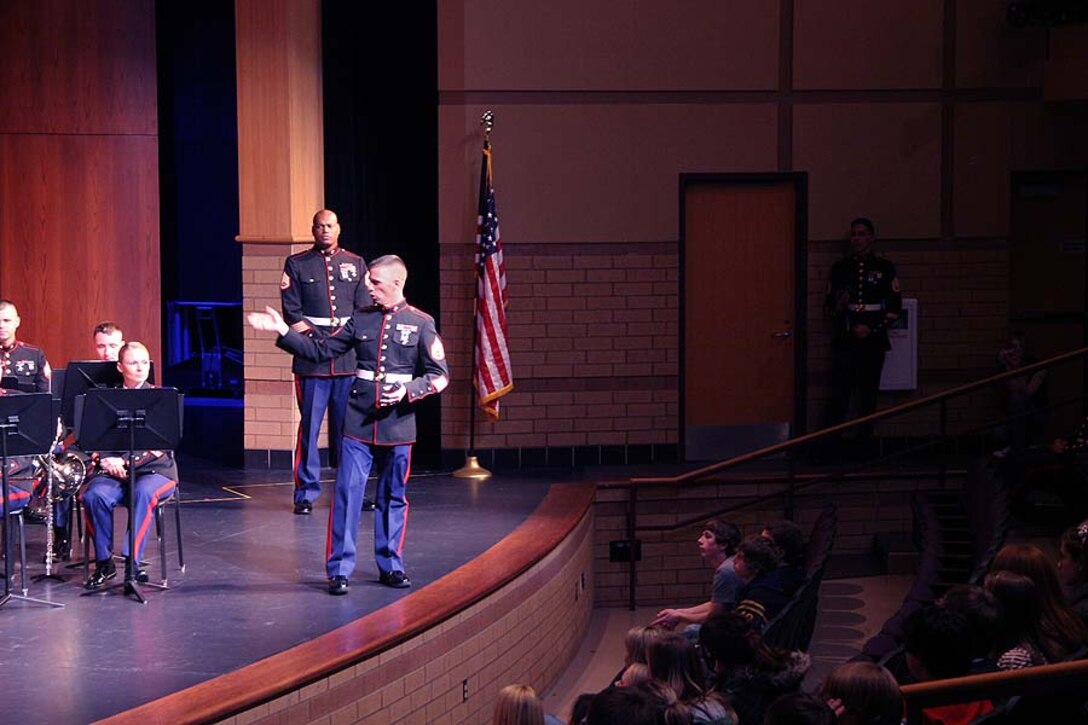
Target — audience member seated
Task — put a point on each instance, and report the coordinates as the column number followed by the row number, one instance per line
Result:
column 747, row 672
column 675, row 663
column 799, row 709
column 1060, row 470
column 763, row 595
column 1061, row 630
column 635, row 644
column 645, row 704
column 518, row 705
column 579, row 711
column 789, row 538
column 718, row 547
column 1020, row 642
column 1073, row 568
column 634, row 674
column 938, row 647
column 983, row 615
column 863, row 693
column 1027, row 396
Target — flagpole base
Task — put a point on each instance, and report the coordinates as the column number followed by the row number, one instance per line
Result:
column 472, row 469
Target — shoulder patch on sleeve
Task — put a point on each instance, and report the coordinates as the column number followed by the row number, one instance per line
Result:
column 285, row 281
column 438, row 352
column 895, row 284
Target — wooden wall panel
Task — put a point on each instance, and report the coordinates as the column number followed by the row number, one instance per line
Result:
column 78, row 67
column 881, row 160
column 859, row 44
column 586, row 173
column 79, row 226
column 611, row 45
column 280, row 135
column 981, row 169
column 992, row 53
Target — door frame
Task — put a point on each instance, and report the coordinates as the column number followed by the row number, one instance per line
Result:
column 799, row 180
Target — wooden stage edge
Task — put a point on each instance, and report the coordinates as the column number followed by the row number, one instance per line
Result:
column 563, row 509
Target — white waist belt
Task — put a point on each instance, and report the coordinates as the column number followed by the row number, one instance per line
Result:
column 327, row 321
column 387, row 377
column 867, row 308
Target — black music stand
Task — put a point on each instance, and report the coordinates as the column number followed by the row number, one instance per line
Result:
column 26, row 429
column 81, row 376
column 122, row 419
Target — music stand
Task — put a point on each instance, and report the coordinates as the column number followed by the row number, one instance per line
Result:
column 81, row 376
column 122, row 419
column 25, row 430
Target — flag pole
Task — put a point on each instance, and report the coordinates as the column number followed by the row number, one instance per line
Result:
column 472, row 468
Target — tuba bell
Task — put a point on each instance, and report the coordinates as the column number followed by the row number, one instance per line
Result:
column 69, row 472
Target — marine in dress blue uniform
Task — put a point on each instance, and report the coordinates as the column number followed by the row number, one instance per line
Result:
column 24, row 362
column 401, row 360
column 863, row 295
column 319, row 290
column 156, row 476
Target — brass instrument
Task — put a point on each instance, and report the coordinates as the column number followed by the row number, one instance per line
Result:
column 69, row 472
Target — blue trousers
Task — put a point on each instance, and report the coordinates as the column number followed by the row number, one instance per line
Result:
column 314, row 396
column 391, row 505
column 18, row 498
column 102, row 496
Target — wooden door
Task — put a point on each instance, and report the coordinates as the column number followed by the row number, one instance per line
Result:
column 743, row 292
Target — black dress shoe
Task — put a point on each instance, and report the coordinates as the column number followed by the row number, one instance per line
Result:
column 395, row 579
column 141, row 577
column 104, row 570
column 368, row 504
column 304, row 508
column 338, row 585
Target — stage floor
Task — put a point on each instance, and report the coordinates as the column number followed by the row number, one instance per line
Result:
column 254, row 586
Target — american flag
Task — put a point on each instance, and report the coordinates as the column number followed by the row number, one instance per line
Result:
column 493, row 376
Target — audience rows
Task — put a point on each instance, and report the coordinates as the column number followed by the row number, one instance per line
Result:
column 724, row 661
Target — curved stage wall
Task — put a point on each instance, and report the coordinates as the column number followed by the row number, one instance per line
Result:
column 517, row 613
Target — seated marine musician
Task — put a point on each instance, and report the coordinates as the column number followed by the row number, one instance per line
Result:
column 156, row 478
column 108, row 339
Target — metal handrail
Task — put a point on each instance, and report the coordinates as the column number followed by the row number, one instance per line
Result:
column 1062, row 678
column 907, row 407
column 634, row 483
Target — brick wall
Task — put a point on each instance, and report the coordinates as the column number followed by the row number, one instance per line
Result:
column 526, row 632
column 271, row 415
column 593, row 339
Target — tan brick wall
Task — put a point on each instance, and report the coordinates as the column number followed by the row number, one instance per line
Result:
column 593, row 337
column 527, row 632
column 671, row 571
column 271, row 416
